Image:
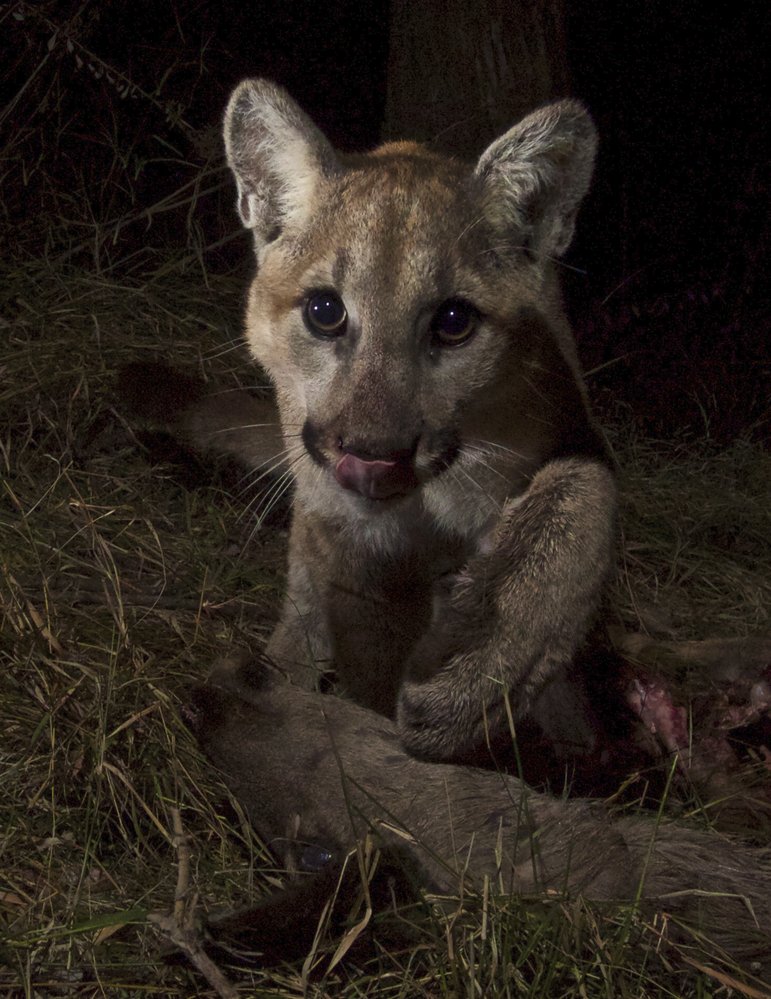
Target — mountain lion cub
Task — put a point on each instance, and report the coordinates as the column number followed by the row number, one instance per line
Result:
column 453, row 512
column 452, row 531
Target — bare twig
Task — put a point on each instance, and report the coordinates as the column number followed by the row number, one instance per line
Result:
column 179, row 926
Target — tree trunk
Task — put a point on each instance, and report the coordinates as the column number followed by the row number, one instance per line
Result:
column 459, row 73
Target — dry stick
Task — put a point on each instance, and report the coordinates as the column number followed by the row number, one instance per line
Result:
column 179, row 927
column 724, row 979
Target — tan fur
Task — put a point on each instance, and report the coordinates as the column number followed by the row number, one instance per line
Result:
column 458, row 603
column 512, row 495
column 318, row 770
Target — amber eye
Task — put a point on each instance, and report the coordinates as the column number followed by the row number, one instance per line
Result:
column 454, row 323
column 324, row 314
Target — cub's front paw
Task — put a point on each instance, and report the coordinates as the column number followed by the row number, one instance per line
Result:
column 424, row 720
column 446, row 717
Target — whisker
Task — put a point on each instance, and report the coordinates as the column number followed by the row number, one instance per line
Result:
column 477, row 455
column 288, row 457
column 541, row 395
column 258, row 391
column 235, row 428
column 505, row 453
column 271, row 498
column 243, row 426
column 454, row 472
column 268, row 500
column 479, row 450
column 458, row 467
column 228, row 347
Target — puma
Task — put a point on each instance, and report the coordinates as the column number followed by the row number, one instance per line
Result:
column 453, row 512
column 453, row 515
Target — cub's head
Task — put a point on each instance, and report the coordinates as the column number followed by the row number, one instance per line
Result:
column 404, row 303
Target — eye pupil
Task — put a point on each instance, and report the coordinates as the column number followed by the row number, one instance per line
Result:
column 325, row 310
column 454, row 323
column 325, row 314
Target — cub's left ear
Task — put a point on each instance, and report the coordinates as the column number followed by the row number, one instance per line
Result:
column 535, row 176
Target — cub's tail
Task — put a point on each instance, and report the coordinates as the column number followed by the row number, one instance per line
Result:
column 231, row 423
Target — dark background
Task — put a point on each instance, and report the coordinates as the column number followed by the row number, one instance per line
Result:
column 666, row 276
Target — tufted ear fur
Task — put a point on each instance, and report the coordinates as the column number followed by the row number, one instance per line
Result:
column 536, row 174
column 277, row 155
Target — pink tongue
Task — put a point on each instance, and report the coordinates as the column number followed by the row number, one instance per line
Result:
column 375, row 479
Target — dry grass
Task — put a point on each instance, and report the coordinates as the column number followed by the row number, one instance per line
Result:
column 117, row 587
column 696, row 522
column 120, row 586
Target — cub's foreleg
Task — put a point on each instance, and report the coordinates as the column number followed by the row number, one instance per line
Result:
column 515, row 617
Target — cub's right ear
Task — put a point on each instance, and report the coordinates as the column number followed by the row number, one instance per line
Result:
column 277, row 156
